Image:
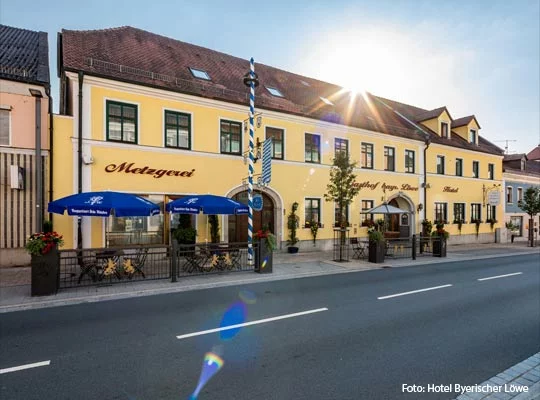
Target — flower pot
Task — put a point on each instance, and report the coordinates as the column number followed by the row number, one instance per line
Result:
column 46, row 273
column 439, row 247
column 376, row 252
column 263, row 259
column 292, row 249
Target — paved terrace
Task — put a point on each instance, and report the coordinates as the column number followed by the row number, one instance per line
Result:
column 15, row 282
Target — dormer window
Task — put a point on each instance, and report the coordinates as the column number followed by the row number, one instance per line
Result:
column 199, row 73
column 523, row 164
column 444, row 130
column 326, row 101
column 274, row 91
column 472, row 136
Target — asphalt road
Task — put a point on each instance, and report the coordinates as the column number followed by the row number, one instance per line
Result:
column 363, row 338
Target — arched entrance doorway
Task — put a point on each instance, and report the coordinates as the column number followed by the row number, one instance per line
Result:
column 238, row 224
column 402, row 223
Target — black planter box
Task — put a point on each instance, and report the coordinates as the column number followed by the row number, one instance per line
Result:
column 292, row 249
column 263, row 259
column 376, row 252
column 439, row 247
column 46, row 273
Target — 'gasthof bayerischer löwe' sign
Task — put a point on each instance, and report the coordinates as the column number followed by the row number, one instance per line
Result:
column 129, row 168
column 372, row 186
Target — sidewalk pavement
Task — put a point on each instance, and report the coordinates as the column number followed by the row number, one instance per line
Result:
column 15, row 282
column 520, row 382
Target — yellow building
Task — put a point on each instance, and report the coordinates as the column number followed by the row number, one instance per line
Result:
column 162, row 118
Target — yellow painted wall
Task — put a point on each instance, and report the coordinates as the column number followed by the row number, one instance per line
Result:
column 470, row 190
column 63, row 174
column 293, row 179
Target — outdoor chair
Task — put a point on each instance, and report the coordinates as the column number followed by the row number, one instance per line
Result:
column 89, row 265
column 357, row 247
column 138, row 261
column 236, row 258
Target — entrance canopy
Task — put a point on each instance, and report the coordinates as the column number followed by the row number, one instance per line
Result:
column 385, row 208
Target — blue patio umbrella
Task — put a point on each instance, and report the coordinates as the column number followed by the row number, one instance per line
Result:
column 103, row 204
column 207, row 204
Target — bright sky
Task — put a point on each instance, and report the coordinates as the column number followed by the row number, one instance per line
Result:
column 475, row 57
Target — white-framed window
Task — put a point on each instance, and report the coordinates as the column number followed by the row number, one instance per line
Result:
column 444, row 129
column 476, row 212
column 509, row 195
column 459, row 167
column 459, row 212
column 441, row 212
column 476, row 169
column 519, row 194
column 365, row 206
column 337, row 216
column 409, row 161
column 440, row 165
column 473, row 136
column 312, row 211
column 5, row 126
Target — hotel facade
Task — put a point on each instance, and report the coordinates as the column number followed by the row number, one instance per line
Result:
column 150, row 115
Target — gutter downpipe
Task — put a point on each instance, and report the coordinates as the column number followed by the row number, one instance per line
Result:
column 79, row 158
column 51, row 140
column 427, row 142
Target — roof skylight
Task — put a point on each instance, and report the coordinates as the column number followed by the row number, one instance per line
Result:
column 274, row 91
column 326, row 101
column 304, row 83
column 199, row 73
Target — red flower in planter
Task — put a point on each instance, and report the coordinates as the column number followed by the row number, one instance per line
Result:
column 42, row 243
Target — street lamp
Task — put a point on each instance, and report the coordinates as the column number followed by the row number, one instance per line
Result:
column 38, row 164
column 251, row 79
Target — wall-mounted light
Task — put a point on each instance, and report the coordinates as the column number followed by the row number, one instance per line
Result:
column 420, row 207
column 36, row 93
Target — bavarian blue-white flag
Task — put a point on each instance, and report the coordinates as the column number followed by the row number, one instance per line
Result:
column 267, row 161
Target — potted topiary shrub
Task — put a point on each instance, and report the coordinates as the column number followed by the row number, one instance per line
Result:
column 377, row 246
column 440, row 236
column 214, row 228
column 45, row 262
column 314, row 227
column 185, row 235
column 292, row 224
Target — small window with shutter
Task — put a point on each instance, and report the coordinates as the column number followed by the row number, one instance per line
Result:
column 4, row 126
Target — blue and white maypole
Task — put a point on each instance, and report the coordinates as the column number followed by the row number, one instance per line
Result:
column 252, row 81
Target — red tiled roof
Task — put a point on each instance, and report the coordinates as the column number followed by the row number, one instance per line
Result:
column 464, row 121
column 140, row 57
column 431, row 114
column 534, row 155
